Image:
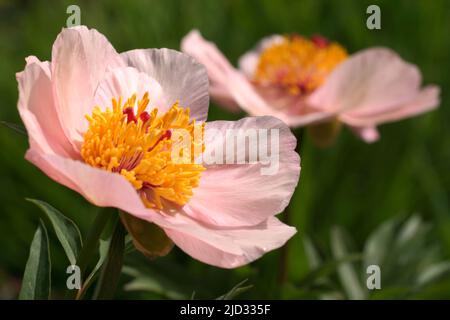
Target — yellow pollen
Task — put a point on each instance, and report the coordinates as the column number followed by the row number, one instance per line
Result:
column 139, row 147
column 298, row 64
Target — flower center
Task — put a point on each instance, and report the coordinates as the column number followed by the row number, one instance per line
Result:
column 139, row 145
column 298, row 64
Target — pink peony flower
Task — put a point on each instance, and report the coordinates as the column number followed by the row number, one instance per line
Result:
column 307, row 81
column 101, row 124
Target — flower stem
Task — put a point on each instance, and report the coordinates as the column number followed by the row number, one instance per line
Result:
column 110, row 274
column 92, row 238
column 91, row 243
column 283, row 263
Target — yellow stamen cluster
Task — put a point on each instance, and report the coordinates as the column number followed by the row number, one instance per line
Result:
column 298, row 64
column 140, row 148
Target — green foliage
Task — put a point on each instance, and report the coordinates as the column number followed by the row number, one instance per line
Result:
column 36, row 278
column 350, row 184
column 66, row 230
column 411, row 263
column 235, row 291
column 112, row 266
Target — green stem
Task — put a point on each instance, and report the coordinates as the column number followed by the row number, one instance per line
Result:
column 112, row 268
column 283, row 263
column 90, row 244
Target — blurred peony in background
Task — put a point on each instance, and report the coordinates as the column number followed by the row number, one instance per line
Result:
column 356, row 203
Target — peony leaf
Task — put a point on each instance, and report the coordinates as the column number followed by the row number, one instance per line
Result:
column 433, row 273
column 379, row 243
column 346, row 270
column 36, row 279
column 66, row 230
column 16, row 127
column 312, row 255
column 155, row 283
column 235, row 291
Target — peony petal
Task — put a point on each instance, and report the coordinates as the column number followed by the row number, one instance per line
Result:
column 253, row 243
column 245, row 194
column 216, row 65
column 123, row 83
column 80, row 59
column 368, row 134
column 372, row 80
column 426, row 100
column 228, row 247
column 246, row 96
column 249, row 61
column 222, row 75
column 223, row 98
column 230, row 84
column 181, row 77
column 316, row 117
column 38, row 111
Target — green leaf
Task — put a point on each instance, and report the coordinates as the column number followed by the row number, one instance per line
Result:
column 410, row 229
column 433, row 273
column 110, row 274
column 66, row 230
column 311, row 252
column 379, row 242
column 155, row 283
column 235, row 291
column 16, row 127
column 346, row 271
column 36, row 278
column 324, row 270
column 147, row 237
column 103, row 253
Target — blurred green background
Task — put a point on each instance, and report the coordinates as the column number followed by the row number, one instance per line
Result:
column 351, row 184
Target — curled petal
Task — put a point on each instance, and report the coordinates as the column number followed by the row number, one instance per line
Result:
column 216, row 64
column 249, row 61
column 229, row 84
column 426, row 100
column 235, row 247
column 38, row 110
column 248, row 193
column 123, row 83
column 80, row 59
column 219, row 246
column 374, row 80
column 368, row 134
column 181, row 77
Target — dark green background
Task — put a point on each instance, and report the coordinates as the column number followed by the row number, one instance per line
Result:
column 351, row 184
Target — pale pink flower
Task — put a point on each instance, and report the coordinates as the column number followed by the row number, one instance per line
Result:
column 115, row 154
column 307, row 81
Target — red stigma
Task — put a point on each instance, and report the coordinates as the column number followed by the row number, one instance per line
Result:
column 130, row 114
column 144, row 116
column 166, row 135
column 320, row 41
